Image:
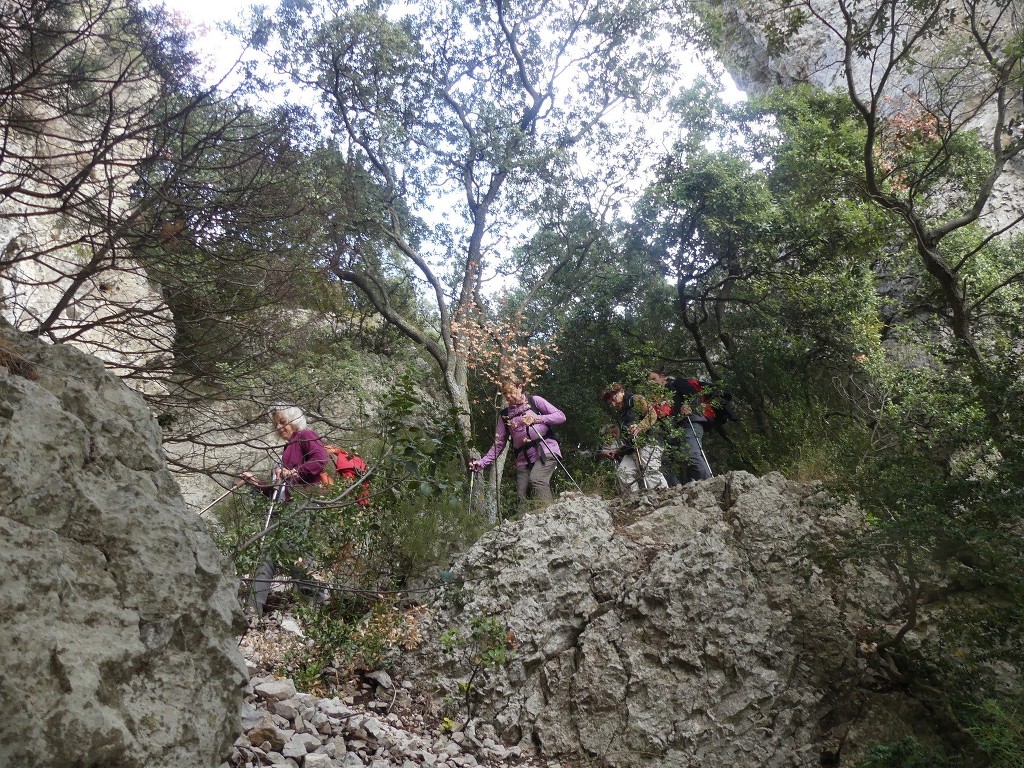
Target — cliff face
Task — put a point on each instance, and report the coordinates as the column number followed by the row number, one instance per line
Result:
column 745, row 46
column 713, row 626
column 768, row 43
column 120, row 617
column 78, row 113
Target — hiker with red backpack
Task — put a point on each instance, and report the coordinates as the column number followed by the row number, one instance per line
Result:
column 529, row 421
column 302, row 463
column 690, row 417
column 639, row 459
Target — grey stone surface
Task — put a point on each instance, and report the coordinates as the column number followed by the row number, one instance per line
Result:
column 118, row 614
column 707, row 626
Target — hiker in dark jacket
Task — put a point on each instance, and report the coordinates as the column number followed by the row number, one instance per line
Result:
column 304, row 458
column 688, row 419
column 639, row 466
column 528, row 419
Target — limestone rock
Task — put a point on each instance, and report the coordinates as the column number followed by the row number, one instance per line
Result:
column 814, row 54
column 713, row 628
column 119, row 614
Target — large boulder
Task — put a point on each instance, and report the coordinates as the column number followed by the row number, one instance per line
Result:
column 710, row 626
column 119, row 615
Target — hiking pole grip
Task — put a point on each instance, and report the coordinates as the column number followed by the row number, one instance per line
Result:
column 280, row 489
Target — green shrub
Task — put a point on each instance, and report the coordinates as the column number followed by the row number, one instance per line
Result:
column 485, row 643
column 999, row 729
column 908, row 753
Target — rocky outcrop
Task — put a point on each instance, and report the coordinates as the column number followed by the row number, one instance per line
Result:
column 119, row 616
column 75, row 139
column 712, row 626
column 751, row 53
column 118, row 316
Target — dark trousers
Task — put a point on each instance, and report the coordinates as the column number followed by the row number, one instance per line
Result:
column 687, row 452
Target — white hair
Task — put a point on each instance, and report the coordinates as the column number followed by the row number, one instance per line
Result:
column 291, row 414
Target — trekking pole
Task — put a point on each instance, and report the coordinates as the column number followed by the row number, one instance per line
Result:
column 277, row 496
column 221, row 498
column 552, row 454
column 280, row 487
column 472, row 482
column 499, row 516
column 700, row 445
column 640, row 463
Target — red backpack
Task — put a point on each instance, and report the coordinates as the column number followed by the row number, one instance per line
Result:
column 663, row 408
column 349, row 466
column 716, row 403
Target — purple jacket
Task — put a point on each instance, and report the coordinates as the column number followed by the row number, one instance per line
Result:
column 304, row 452
column 523, row 436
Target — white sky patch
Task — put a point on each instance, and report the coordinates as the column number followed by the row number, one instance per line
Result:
column 218, row 51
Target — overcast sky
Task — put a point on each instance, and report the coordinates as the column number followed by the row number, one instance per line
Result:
column 220, row 51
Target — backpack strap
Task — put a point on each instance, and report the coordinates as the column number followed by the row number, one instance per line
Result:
column 550, row 435
column 551, row 430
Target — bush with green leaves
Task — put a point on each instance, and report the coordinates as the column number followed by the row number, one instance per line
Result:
column 999, row 729
column 352, row 631
column 908, row 753
column 483, row 644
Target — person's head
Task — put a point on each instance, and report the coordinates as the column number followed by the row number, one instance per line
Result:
column 512, row 391
column 288, row 419
column 614, row 394
column 658, row 377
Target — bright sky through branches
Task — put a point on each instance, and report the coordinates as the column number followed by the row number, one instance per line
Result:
column 220, row 52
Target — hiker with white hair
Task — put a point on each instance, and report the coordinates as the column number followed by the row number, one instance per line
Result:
column 302, row 466
column 304, row 458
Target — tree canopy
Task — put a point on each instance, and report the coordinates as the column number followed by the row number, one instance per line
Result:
column 477, row 124
column 463, row 179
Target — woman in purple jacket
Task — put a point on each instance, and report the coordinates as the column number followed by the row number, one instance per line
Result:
column 528, row 419
column 304, row 458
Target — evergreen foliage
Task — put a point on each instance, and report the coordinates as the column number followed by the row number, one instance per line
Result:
column 821, row 255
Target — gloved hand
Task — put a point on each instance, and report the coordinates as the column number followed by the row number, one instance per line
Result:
column 475, row 466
